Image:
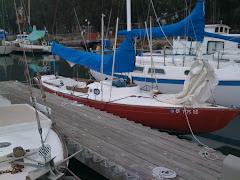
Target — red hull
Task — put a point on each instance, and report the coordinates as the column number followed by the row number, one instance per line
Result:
column 171, row 119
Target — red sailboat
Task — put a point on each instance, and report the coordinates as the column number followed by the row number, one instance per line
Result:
column 172, row 112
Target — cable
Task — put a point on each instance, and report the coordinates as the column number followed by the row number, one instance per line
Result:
column 160, row 24
column 209, row 151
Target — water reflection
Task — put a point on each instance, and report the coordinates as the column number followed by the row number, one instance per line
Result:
column 12, row 67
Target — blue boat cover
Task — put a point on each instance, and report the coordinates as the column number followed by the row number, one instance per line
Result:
column 124, row 60
column 2, row 34
column 106, row 43
column 192, row 26
column 229, row 38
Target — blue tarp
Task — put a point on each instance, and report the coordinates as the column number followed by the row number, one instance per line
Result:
column 124, row 61
column 106, row 43
column 2, row 34
column 35, row 35
column 229, row 38
column 192, row 26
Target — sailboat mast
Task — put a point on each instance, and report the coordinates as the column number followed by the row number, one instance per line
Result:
column 19, row 29
column 102, row 29
column 29, row 12
column 129, row 28
column 3, row 16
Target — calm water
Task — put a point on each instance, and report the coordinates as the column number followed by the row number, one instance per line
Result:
column 227, row 140
column 12, row 67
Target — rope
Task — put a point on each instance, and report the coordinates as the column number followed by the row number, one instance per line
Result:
column 66, row 168
column 209, row 153
column 73, row 104
column 163, row 173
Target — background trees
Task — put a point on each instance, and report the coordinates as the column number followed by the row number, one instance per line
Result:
column 169, row 11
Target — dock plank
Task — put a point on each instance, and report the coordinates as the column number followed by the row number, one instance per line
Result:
column 135, row 147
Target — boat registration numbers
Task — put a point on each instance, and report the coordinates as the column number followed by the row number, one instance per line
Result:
column 182, row 111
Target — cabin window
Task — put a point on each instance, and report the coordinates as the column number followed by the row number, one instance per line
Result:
column 221, row 29
column 216, row 29
column 158, row 71
column 139, row 70
column 225, row 30
column 214, row 46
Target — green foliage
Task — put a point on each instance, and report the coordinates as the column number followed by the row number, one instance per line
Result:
column 43, row 12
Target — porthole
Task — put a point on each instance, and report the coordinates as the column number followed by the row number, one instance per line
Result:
column 186, row 72
column 96, row 91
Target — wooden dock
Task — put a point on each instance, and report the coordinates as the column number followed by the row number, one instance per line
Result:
column 118, row 148
column 28, row 50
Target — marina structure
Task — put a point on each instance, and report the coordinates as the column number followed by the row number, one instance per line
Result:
column 117, row 148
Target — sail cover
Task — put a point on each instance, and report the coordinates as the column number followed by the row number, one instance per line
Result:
column 2, row 34
column 198, row 87
column 228, row 38
column 192, row 26
column 124, row 60
column 35, row 35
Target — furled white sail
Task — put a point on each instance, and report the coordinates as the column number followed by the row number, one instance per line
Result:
column 198, row 86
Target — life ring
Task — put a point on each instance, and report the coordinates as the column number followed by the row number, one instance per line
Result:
column 45, row 63
column 44, row 43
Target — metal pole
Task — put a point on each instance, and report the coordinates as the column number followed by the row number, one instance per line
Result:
column 164, row 56
column 115, row 44
column 88, row 30
column 128, row 3
column 151, row 49
column 102, row 55
column 218, row 60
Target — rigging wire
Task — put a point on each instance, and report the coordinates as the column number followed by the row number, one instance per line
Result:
column 160, row 24
column 109, row 21
column 28, row 79
column 79, row 26
column 55, row 16
column 19, row 29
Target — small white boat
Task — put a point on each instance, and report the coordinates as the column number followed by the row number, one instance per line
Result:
column 34, row 42
column 20, row 139
column 5, row 47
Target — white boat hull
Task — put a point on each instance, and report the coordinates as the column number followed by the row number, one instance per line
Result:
column 226, row 93
column 36, row 47
column 4, row 50
column 18, row 127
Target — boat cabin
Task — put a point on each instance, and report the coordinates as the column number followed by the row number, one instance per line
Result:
column 185, row 45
